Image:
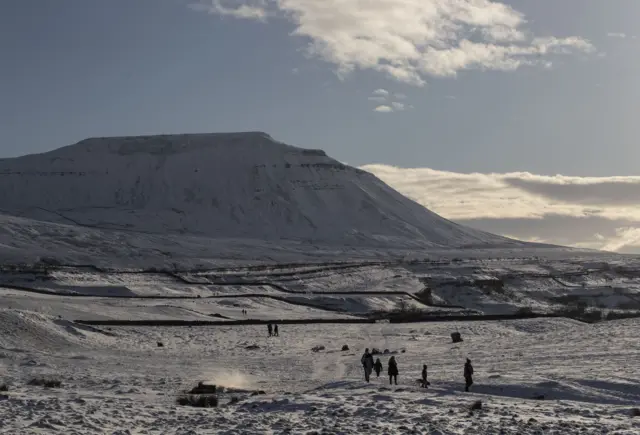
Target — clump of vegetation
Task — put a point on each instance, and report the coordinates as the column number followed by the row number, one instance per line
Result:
column 198, row 400
column 46, row 382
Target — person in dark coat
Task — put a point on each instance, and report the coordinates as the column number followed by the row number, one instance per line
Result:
column 425, row 383
column 468, row 374
column 378, row 367
column 275, row 330
column 367, row 364
column 270, row 328
column 393, row 370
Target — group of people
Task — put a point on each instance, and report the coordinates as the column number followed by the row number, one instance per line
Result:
column 273, row 330
column 370, row 365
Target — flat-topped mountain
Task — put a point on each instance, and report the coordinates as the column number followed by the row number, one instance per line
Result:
column 219, row 185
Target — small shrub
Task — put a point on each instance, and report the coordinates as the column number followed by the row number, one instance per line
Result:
column 477, row 405
column 4, row 387
column 203, row 388
column 345, row 348
column 317, row 348
column 456, row 337
column 160, row 344
column 252, row 347
column 45, row 382
column 198, row 400
column 524, row 311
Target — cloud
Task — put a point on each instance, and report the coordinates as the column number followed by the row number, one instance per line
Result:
column 383, row 109
column 256, row 11
column 409, row 40
column 400, row 96
column 616, row 35
column 398, row 106
column 381, row 92
column 595, row 212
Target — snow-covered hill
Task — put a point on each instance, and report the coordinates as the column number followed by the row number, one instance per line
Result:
column 240, row 185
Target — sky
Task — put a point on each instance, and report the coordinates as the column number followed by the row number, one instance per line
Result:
column 516, row 117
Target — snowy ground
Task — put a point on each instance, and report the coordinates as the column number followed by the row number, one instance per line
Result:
column 117, row 381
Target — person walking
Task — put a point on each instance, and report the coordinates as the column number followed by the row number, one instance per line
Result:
column 270, row 329
column 425, row 383
column 393, row 371
column 468, row 375
column 378, row 367
column 275, row 330
column 367, row 364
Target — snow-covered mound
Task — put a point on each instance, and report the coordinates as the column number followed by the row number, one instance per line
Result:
column 228, row 185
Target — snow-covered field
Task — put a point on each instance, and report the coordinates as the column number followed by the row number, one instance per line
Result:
column 117, row 381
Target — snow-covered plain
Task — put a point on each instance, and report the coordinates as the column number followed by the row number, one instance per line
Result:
column 203, row 227
column 117, row 381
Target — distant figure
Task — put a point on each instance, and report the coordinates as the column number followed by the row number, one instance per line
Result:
column 270, row 328
column 393, row 371
column 367, row 364
column 378, row 367
column 275, row 330
column 425, row 383
column 468, row 374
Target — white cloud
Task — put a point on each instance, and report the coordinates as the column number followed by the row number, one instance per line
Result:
column 560, row 201
column 409, row 40
column 255, row 11
column 383, row 109
column 398, row 106
column 381, row 92
column 616, row 35
column 400, row 96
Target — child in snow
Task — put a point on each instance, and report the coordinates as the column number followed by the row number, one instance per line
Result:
column 393, row 370
column 378, row 367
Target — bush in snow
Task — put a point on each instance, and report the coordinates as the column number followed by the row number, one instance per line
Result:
column 345, row 348
column 45, row 382
column 4, row 387
column 198, row 400
column 456, row 337
column 317, row 348
column 160, row 344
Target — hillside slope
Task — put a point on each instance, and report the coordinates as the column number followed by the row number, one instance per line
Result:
column 235, row 185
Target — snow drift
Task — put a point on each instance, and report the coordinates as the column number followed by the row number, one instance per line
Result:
column 235, row 185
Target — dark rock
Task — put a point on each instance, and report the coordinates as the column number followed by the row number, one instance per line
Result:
column 160, row 344
column 456, row 337
column 258, row 393
column 345, row 348
column 375, row 351
column 385, row 351
column 252, row 347
column 635, row 412
column 317, row 348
